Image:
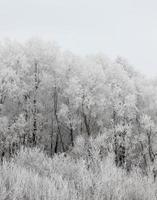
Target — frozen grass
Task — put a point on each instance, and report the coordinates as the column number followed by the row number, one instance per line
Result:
column 78, row 175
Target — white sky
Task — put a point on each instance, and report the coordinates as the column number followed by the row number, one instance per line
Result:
column 114, row 27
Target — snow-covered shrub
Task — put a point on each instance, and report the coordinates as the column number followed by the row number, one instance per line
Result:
column 31, row 174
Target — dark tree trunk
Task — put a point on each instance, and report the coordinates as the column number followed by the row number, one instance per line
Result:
column 2, row 156
column 51, row 145
column 56, row 117
column 141, row 144
column 34, row 134
column 86, row 124
column 115, row 138
column 150, row 150
column 71, row 135
column 56, row 144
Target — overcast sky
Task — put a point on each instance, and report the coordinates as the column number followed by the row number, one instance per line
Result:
column 114, row 27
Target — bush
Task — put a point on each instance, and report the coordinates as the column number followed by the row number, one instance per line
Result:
column 21, row 184
column 81, row 174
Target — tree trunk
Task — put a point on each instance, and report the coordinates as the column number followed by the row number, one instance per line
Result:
column 71, row 135
column 51, row 146
column 150, row 150
column 35, row 105
column 56, row 144
column 115, row 138
column 86, row 124
column 57, row 120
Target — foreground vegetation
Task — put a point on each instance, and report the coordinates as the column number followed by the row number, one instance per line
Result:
column 81, row 174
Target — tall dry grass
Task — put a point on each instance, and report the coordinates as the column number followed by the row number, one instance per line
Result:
column 81, row 174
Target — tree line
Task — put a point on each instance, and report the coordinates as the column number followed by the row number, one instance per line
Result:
column 48, row 97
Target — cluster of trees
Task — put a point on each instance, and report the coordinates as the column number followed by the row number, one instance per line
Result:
column 48, row 97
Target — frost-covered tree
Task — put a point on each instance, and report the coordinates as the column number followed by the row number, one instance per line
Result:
column 48, row 97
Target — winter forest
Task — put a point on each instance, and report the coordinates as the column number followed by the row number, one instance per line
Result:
column 75, row 128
